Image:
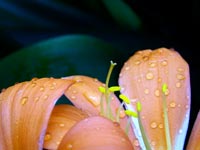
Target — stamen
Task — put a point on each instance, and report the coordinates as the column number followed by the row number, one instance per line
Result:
column 166, row 122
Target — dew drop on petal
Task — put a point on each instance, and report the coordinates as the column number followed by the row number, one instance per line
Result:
column 24, row 100
column 73, row 97
column 154, row 125
column 178, row 84
column 153, row 143
column 69, row 147
column 47, row 137
column 157, row 93
column 180, row 77
column 36, row 99
column 42, row 88
column 94, row 100
column 172, row 104
column 46, row 97
column 164, row 62
column 149, row 76
column 127, row 68
column 180, row 131
column 152, row 64
column 33, row 84
column 137, row 62
column 180, row 69
column 160, row 125
column 61, row 124
column 146, row 91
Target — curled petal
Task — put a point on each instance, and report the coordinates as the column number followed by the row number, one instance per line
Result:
column 96, row 133
column 63, row 117
column 85, row 95
column 193, row 143
column 25, row 109
column 141, row 79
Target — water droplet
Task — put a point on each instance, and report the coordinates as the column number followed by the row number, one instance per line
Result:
column 164, row 62
column 33, row 84
column 159, row 79
column 180, row 131
column 122, row 114
column 172, row 104
column 180, row 69
column 94, row 100
column 47, row 137
column 46, row 97
column 122, row 89
column 180, row 76
column 61, row 124
column 139, row 80
column 149, row 76
column 157, row 93
column 73, row 97
column 146, row 91
column 145, row 58
column 42, row 88
column 136, row 143
column 186, row 106
column 24, row 100
column 36, row 99
column 153, row 143
column 52, row 87
column 137, row 62
column 167, row 92
column 69, row 147
column 160, row 125
column 178, row 84
column 152, row 64
column 127, row 68
column 154, row 125
column 58, row 142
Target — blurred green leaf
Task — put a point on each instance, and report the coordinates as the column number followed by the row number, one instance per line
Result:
column 59, row 57
column 123, row 14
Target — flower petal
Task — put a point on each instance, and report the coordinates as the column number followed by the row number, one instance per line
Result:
column 63, row 117
column 25, row 109
column 141, row 79
column 85, row 95
column 96, row 133
column 193, row 143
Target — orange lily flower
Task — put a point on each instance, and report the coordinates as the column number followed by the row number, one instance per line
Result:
column 154, row 111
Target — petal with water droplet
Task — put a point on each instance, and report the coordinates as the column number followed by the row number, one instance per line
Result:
column 63, row 117
column 23, row 120
column 167, row 70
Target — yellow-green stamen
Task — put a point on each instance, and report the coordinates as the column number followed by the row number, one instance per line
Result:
column 124, row 98
column 166, row 122
column 144, row 137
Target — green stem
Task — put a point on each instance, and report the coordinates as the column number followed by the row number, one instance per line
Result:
column 166, row 122
column 145, row 139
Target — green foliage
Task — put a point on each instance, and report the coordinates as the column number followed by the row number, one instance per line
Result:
column 59, row 57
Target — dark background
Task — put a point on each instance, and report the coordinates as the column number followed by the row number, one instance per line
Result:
column 171, row 24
